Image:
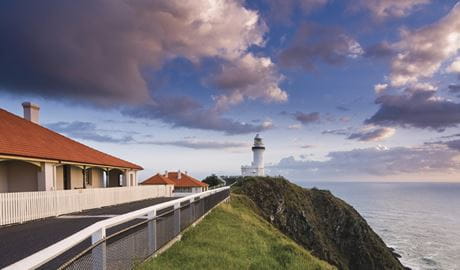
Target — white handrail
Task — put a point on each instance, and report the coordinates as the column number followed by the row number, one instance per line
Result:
column 47, row 254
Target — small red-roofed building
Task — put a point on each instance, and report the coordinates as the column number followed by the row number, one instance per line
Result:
column 183, row 183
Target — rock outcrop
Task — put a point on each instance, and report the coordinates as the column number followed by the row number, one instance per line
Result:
column 327, row 226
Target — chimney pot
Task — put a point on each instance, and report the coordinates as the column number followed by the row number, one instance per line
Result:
column 179, row 174
column 31, row 112
column 166, row 173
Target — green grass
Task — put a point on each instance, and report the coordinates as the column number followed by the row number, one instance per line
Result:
column 233, row 236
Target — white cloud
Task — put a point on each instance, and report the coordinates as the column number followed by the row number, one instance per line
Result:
column 380, row 88
column 378, row 162
column 314, row 43
column 295, row 126
column 247, row 77
column 454, row 67
column 422, row 52
column 391, row 8
column 373, row 134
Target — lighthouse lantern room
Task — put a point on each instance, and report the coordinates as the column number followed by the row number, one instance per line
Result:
column 257, row 167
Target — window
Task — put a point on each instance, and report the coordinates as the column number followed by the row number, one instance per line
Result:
column 88, row 176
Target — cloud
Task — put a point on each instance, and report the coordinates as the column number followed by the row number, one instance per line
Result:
column 378, row 161
column 295, row 126
column 342, row 108
column 307, row 146
column 306, row 118
column 379, row 50
column 248, row 77
column 341, row 131
column 101, row 51
column 454, row 88
column 344, row 119
column 90, row 132
column 373, row 134
column 454, row 67
column 422, row 52
column 380, row 88
column 282, row 10
column 185, row 112
column 87, row 131
column 365, row 134
column 454, row 144
column 416, row 108
column 198, row 144
column 390, row 8
column 314, row 43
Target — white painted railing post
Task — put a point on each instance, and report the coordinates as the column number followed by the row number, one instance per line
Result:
column 176, row 218
column 99, row 253
column 152, row 231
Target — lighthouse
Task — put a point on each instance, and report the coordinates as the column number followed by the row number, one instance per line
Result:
column 257, row 167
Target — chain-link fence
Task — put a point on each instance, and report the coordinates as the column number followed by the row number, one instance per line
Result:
column 130, row 244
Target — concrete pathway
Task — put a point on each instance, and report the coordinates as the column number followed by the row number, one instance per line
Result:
column 21, row 240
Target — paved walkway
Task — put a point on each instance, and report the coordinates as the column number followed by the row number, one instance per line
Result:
column 22, row 240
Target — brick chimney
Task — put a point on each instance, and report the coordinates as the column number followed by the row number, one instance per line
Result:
column 31, row 112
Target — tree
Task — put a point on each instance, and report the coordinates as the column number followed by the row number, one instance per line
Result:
column 213, row 180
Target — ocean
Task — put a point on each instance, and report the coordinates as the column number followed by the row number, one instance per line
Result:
column 421, row 221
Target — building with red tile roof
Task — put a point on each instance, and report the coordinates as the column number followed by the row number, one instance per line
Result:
column 157, row 179
column 34, row 158
column 183, row 183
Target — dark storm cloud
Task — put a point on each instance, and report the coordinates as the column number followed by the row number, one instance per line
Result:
column 83, row 50
column 98, row 51
column 421, row 109
column 315, row 43
column 185, row 112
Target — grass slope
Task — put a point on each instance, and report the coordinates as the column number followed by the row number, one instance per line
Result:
column 233, row 236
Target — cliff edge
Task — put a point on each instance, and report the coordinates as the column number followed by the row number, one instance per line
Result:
column 320, row 222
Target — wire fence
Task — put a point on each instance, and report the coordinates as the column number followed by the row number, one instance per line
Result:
column 130, row 244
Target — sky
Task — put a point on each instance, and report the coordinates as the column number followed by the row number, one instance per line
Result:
column 340, row 90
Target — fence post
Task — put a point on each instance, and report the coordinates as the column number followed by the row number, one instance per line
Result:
column 152, row 232
column 99, row 253
column 176, row 219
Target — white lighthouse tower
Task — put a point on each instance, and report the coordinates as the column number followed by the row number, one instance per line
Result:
column 257, row 167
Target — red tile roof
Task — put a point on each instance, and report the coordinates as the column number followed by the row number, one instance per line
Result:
column 158, row 179
column 185, row 180
column 20, row 137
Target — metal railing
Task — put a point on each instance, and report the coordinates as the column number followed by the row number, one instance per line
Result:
column 24, row 206
column 123, row 241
